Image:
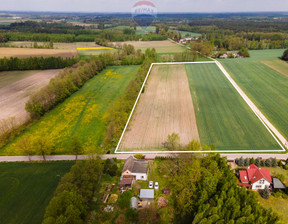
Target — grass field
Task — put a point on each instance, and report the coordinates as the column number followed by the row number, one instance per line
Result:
column 164, row 46
column 278, row 65
column 188, row 34
column 223, row 117
column 26, row 189
column 34, row 52
column 265, row 86
column 83, row 114
column 278, row 205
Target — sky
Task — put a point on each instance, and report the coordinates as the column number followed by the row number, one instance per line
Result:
column 161, row 5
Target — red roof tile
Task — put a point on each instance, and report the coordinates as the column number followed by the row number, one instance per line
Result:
column 255, row 174
column 243, row 176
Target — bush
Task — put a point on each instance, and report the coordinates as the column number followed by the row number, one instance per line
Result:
column 286, row 167
column 139, row 156
column 265, row 193
column 240, row 162
column 285, row 55
column 244, row 52
column 124, row 200
column 268, row 162
column 280, row 194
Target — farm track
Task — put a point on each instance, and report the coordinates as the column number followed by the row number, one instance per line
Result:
column 267, row 88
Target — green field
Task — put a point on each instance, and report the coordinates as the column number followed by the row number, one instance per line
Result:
column 26, row 189
column 223, row 117
column 187, row 33
column 266, row 87
column 88, row 53
column 83, row 114
column 7, row 78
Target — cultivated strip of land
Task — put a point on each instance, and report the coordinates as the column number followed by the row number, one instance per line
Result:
column 165, row 107
column 265, row 87
column 259, row 114
column 13, row 97
column 276, row 143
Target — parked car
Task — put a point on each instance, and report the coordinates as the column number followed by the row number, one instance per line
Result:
column 150, row 184
column 156, row 186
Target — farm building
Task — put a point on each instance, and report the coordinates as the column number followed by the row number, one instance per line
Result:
column 137, row 168
column 278, row 185
column 126, row 182
column 147, row 194
column 255, row 178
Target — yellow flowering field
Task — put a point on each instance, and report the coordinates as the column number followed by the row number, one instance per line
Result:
column 82, row 115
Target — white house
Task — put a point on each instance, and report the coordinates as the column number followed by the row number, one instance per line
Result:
column 255, row 178
column 137, row 168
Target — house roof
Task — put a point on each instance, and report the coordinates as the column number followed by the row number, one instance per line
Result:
column 126, row 180
column 147, row 193
column 243, row 176
column 135, row 165
column 140, row 166
column 255, row 174
column 128, row 165
column 277, row 184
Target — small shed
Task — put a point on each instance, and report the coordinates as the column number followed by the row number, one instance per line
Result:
column 278, row 185
column 147, row 194
column 133, row 203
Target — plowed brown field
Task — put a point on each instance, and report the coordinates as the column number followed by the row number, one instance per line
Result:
column 165, row 107
column 13, row 97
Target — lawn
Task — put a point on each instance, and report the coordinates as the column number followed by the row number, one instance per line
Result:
column 223, row 117
column 278, row 205
column 83, row 114
column 26, row 189
column 277, row 172
column 266, row 87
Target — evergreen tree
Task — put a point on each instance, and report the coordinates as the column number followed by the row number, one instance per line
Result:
column 274, row 162
column 268, row 162
column 258, row 162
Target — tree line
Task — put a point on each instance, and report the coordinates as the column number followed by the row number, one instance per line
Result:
column 205, row 190
column 36, row 63
column 74, row 193
column 111, row 35
column 72, row 79
column 120, row 110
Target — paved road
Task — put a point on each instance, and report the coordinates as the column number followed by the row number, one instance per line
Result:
column 125, row 156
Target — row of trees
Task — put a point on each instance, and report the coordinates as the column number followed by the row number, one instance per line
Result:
column 75, row 191
column 36, row 63
column 110, row 35
column 119, row 112
column 71, row 79
column 62, row 86
column 205, row 190
column 258, row 162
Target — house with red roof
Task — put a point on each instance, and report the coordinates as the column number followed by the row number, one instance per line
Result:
column 255, row 178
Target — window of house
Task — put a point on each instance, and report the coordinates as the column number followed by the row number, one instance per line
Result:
column 258, row 186
column 142, row 177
